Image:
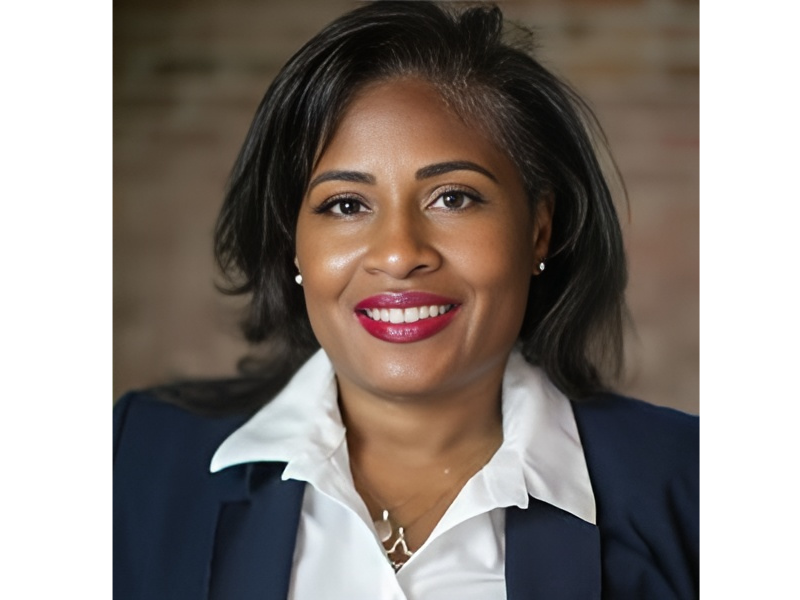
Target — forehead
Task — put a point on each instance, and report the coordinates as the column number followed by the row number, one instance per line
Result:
column 408, row 122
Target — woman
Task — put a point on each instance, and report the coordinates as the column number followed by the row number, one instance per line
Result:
column 436, row 269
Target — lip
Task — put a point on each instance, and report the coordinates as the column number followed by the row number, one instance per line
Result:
column 400, row 333
column 403, row 300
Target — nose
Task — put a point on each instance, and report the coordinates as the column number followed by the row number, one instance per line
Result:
column 402, row 244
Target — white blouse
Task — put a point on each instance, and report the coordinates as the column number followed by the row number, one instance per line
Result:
column 338, row 553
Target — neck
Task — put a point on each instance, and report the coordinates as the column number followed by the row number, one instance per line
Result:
column 421, row 430
column 411, row 457
column 393, row 442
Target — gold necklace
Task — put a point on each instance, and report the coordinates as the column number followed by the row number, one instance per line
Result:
column 391, row 533
column 394, row 534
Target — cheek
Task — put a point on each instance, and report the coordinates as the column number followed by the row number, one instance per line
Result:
column 328, row 264
column 325, row 252
column 498, row 257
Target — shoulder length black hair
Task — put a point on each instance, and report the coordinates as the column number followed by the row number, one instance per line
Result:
column 573, row 324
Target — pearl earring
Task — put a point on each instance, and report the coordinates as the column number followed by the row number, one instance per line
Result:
column 541, row 267
column 299, row 277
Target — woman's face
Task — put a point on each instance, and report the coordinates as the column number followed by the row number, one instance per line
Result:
column 417, row 245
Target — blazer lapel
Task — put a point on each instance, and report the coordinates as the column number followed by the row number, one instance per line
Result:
column 551, row 554
column 255, row 540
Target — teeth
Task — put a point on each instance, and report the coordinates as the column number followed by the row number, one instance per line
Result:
column 408, row 315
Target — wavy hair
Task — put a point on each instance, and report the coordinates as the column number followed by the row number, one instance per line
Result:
column 487, row 74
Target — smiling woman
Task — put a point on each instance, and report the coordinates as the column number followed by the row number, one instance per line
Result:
column 431, row 417
column 436, row 218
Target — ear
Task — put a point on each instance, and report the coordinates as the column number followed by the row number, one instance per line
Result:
column 542, row 228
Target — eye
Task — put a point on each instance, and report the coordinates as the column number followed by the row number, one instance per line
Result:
column 347, row 206
column 454, row 200
column 342, row 206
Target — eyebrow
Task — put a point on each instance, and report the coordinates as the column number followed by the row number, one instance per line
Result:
column 423, row 173
column 454, row 165
column 351, row 176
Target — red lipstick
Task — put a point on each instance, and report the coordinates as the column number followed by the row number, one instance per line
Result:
column 405, row 316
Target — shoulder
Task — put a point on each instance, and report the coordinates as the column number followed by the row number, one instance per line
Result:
column 644, row 466
column 634, row 446
column 152, row 431
column 166, row 501
column 617, row 427
column 151, row 408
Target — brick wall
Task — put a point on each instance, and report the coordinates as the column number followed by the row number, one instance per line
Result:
column 189, row 75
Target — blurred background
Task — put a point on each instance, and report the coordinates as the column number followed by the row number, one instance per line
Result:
column 189, row 74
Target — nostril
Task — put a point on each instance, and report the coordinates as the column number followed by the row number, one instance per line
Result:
column 401, row 250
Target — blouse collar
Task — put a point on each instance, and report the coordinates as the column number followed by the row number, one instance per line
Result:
column 541, row 454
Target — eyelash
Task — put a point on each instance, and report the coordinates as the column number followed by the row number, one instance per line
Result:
column 470, row 196
column 330, row 203
column 337, row 201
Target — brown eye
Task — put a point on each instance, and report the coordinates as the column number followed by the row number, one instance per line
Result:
column 346, row 206
column 454, row 200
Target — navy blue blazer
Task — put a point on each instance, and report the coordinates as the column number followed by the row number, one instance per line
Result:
column 182, row 533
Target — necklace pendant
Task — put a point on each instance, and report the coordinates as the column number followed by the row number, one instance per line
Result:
column 383, row 527
column 400, row 541
column 400, row 547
